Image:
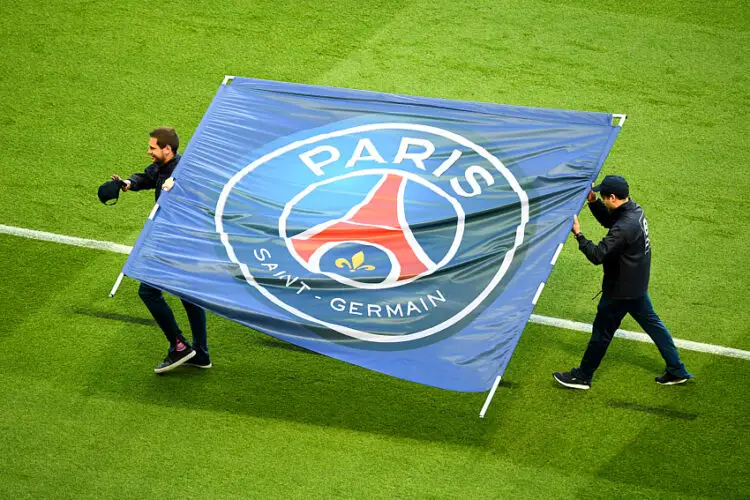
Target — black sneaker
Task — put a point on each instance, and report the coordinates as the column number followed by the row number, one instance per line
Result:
column 199, row 362
column 569, row 380
column 174, row 359
column 669, row 379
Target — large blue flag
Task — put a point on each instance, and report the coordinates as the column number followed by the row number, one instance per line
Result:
column 407, row 235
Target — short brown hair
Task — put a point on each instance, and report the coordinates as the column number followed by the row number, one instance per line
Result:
column 166, row 136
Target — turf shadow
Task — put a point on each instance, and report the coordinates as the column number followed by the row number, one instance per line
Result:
column 669, row 455
column 683, row 450
column 113, row 316
column 280, row 344
column 620, row 350
column 653, row 410
column 288, row 384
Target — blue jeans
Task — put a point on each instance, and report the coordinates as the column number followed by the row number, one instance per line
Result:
column 160, row 310
column 608, row 318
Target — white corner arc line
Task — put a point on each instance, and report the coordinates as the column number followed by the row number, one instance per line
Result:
column 565, row 324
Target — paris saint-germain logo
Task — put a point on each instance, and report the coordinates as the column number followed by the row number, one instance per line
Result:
column 380, row 232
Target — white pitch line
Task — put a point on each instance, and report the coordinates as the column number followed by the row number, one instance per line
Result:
column 535, row 318
column 66, row 240
column 642, row 337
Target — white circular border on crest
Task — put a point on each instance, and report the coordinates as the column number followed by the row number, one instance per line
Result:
column 345, row 330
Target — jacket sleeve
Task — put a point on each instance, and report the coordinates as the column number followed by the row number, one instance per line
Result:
column 611, row 244
column 601, row 213
column 145, row 180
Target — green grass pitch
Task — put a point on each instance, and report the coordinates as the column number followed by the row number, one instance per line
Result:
column 82, row 414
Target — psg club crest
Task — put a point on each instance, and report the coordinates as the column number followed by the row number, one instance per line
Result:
column 380, row 232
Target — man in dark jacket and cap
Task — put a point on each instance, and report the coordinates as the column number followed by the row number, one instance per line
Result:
column 162, row 147
column 625, row 253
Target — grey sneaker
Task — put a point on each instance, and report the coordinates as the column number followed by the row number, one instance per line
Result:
column 569, row 380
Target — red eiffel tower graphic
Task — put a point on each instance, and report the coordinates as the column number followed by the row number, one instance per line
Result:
column 375, row 221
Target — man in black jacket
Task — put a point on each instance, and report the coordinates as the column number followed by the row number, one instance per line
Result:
column 162, row 147
column 625, row 254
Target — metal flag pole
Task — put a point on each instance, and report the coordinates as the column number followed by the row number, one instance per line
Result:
column 121, row 275
column 489, row 397
column 117, row 285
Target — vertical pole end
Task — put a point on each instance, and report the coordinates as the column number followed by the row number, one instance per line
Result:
column 489, row 397
column 117, row 285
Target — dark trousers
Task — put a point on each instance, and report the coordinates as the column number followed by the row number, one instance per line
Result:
column 608, row 318
column 162, row 313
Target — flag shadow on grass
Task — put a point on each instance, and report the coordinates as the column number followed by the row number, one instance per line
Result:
column 126, row 318
column 653, row 410
column 260, row 376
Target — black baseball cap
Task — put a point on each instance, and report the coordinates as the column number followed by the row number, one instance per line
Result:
column 614, row 184
column 109, row 191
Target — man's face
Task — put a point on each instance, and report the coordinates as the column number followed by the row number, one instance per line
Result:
column 158, row 154
column 609, row 201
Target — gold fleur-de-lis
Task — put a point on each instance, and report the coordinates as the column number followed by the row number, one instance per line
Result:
column 357, row 263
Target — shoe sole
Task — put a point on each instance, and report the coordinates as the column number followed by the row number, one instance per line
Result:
column 572, row 386
column 175, row 364
column 203, row 367
column 674, row 382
